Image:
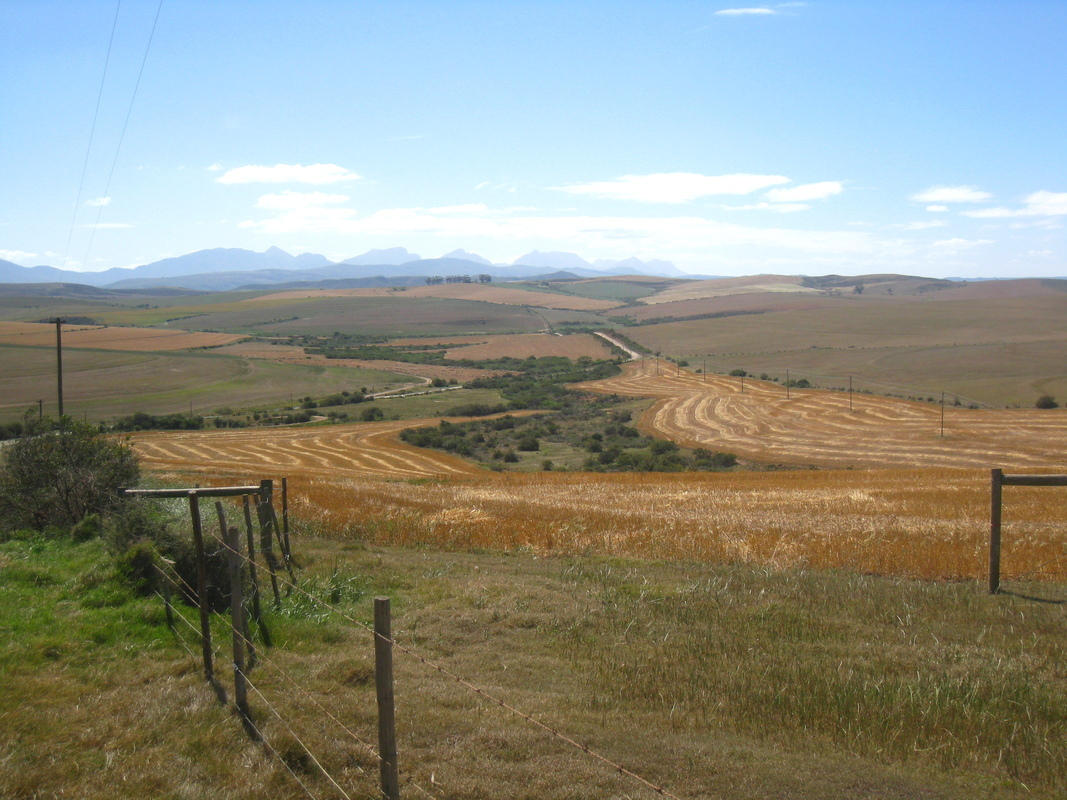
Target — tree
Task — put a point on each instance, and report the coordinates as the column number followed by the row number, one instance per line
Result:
column 57, row 473
column 1046, row 401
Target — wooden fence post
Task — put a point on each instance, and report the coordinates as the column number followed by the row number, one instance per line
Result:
column 996, row 491
column 383, row 681
column 257, row 611
column 201, row 599
column 237, row 618
column 266, row 545
column 287, row 554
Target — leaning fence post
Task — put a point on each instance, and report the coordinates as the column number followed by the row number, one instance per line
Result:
column 383, row 681
column 996, row 490
column 201, row 597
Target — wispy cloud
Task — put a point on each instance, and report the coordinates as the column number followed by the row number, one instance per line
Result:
column 1038, row 204
column 100, row 201
column 961, row 244
column 741, row 12
column 668, row 236
column 922, row 225
column 106, row 225
column 937, row 208
column 806, row 192
column 290, row 200
column 673, row 187
column 16, row 255
column 289, row 173
column 951, row 194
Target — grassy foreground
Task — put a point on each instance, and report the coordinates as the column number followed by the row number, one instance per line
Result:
column 713, row 681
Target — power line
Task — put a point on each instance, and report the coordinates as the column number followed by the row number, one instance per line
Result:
column 92, row 133
column 118, row 148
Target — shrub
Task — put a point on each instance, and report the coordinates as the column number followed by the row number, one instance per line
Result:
column 1046, row 401
column 58, row 473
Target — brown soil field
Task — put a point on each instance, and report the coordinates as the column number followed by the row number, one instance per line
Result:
column 816, row 427
column 106, row 338
column 457, row 291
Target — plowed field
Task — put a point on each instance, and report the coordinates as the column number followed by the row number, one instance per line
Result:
column 817, row 427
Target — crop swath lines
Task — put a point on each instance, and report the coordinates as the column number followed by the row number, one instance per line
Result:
column 817, row 427
column 338, row 450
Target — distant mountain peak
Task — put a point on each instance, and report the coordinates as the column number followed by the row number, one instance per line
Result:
column 464, row 255
column 389, row 255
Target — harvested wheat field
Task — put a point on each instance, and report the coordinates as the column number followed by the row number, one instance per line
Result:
column 766, row 424
column 105, row 338
column 337, row 450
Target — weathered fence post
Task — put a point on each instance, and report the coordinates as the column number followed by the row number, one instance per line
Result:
column 201, row 597
column 237, row 618
column 995, row 494
column 383, row 681
column 287, row 554
column 266, row 545
column 257, row 611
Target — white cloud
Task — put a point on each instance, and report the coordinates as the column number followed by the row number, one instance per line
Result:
column 289, row 173
column 216, row 167
column 673, row 187
column 107, row 225
column 806, row 192
column 781, row 208
column 1038, row 204
column 100, row 201
column 669, row 236
column 961, row 244
column 16, row 255
column 470, row 208
column 951, row 194
column 937, row 208
column 290, row 199
column 739, row 12
column 921, row 226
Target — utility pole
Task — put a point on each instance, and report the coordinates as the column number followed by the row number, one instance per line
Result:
column 59, row 361
column 942, row 415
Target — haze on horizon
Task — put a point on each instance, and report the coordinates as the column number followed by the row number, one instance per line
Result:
column 798, row 138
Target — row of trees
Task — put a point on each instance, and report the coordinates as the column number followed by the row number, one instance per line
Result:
column 435, row 279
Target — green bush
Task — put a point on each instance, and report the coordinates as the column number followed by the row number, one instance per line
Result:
column 57, row 473
column 1046, row 401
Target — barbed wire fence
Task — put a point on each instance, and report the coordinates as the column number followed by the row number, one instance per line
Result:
column 242, row 559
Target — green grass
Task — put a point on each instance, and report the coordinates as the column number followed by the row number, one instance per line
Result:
column 756, row 682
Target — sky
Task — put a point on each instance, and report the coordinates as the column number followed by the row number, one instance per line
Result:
column 850, row 137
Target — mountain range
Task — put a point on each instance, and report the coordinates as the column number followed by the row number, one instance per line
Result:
column 223, row 269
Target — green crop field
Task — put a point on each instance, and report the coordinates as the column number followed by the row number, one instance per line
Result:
column 102, row 384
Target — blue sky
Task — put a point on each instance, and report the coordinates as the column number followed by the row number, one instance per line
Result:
column 797, row 138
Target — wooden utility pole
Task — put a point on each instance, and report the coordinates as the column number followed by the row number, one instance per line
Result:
column 59, row 361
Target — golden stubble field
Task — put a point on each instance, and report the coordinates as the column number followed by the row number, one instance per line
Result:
column 926, row 517
column 763, row 422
